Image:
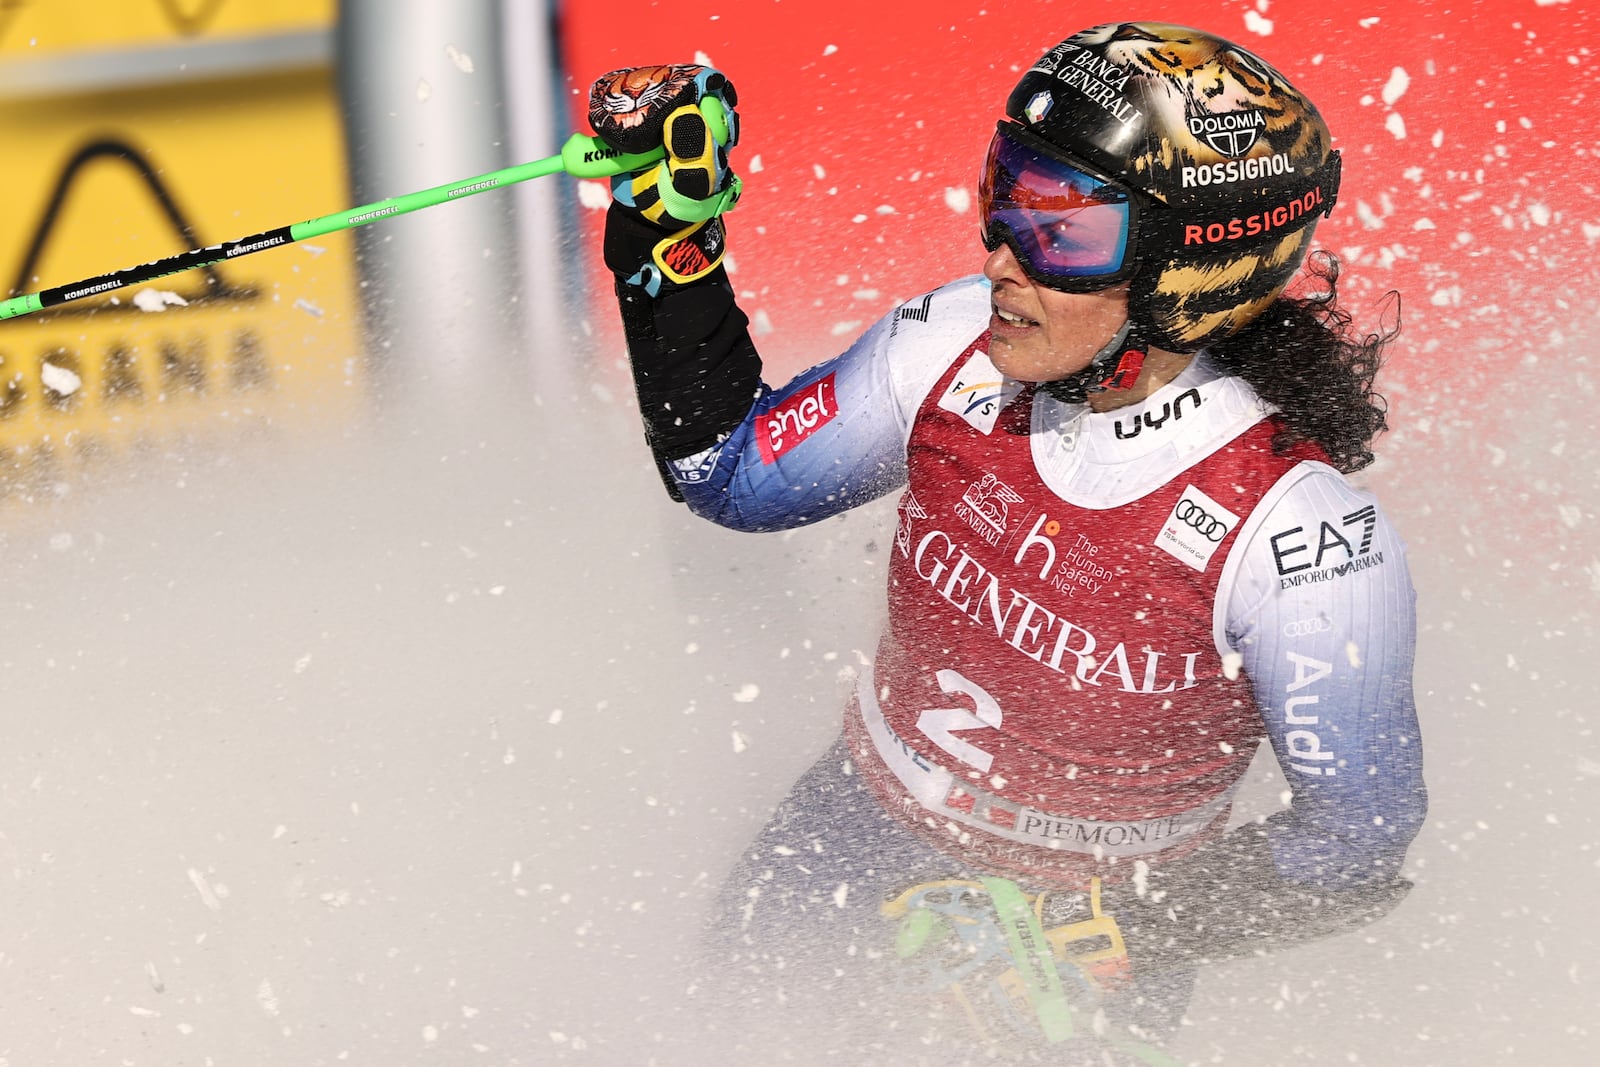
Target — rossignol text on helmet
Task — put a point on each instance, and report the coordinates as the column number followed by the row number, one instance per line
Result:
column 1228, row 166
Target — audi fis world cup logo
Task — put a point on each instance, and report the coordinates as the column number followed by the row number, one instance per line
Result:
column 1194, row 528
column 1198, row 518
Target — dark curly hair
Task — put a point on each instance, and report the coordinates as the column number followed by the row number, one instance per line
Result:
column 1303, row 356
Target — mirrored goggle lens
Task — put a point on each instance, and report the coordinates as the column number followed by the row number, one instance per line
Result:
column 1067, row 224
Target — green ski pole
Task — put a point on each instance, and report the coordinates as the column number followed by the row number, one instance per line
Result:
column 582, row 156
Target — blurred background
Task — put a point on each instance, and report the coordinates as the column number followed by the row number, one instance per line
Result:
column 366, row 701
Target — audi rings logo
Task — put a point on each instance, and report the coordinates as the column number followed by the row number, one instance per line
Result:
column 1306, row 627
column 1191, row 514
column 1195, row 529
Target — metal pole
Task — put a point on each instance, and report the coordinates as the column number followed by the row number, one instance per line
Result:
column 423, row 86
column 545, row 223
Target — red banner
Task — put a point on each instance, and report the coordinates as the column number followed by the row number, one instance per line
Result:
column 1469, row 135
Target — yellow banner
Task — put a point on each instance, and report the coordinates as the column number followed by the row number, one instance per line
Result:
column 44, row 26
column 114, row 161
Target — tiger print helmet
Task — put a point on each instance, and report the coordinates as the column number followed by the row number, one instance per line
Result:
column 1234, row 166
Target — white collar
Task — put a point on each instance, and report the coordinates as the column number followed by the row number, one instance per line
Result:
column 1102, row 460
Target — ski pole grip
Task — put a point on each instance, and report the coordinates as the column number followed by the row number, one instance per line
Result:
column 716, row 116
column 587, row 156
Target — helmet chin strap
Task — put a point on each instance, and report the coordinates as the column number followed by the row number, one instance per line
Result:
column 1116, row 366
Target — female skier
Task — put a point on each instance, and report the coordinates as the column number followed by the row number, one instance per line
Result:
column 1126, row 553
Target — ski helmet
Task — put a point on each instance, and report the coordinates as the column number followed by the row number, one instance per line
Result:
column 1224, row 170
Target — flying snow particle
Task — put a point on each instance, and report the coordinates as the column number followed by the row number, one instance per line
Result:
column 1231, row 664
column 208, row 897
column 157, row 300
column 1257, row 23
column 830, row 50
column 424, row 90
column 747, row 693
column 267, row 998
column 60, row 380
column 1395, row 125
column 594, row 195
column 1399, row 81
column 740, row 742
column 840, row 894
column 462, row 60
column 958, row 200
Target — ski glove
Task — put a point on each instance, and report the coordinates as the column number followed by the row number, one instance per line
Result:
column 686, row 109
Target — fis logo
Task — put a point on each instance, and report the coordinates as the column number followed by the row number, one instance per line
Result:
column 978, row 393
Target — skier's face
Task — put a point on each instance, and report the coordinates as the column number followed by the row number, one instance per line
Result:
column 1038, row 334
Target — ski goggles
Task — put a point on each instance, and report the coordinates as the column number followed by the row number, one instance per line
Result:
column 1070, row 228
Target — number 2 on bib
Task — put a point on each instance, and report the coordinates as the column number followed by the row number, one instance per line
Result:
column 941, row 725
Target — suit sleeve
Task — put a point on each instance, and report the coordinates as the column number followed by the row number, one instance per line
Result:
column 756, row 458
column 1323, row 615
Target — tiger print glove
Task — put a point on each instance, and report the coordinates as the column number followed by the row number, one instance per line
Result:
column 688, row 110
